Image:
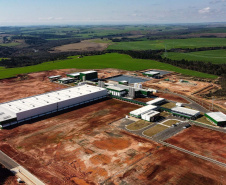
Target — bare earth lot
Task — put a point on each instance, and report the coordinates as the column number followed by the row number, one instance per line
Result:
column 83, row 147
column 202, row 141
column 85, row 45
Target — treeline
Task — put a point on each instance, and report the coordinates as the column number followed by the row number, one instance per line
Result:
column 205, row 67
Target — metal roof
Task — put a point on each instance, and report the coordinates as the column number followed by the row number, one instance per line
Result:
column 6, row 114
column 143, row 110
column 87, row 72
column 116, row 88
column 151, row 113
column 42, row 100
column 152, row 72
column 67, row 78
column 74, row 74
column 57, row 76
column 156, row 100
column 185, row 111
column 218, row 116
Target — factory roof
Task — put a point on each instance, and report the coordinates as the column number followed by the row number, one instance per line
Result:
column 151, row 113
column 185, row 110
column 152, row 72
column 42, row 100
column 57, row 76
column 143, row 110
column 116, row 88
column 87, row 72
column 6, row 114
column 65, row 79
column 156, row 100
column 218, row 116
column 74, row 74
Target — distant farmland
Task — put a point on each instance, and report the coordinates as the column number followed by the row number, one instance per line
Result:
column 169, row 44
column 214, row 56
column 113, row 60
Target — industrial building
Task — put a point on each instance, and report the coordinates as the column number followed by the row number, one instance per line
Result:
column 156, row 101
column 86, row 75
column 66, row 80
column 32, row 107
column 117, row 91
column 150, row 116
column 74, row 75
column 143, row 110
column 153, row 74
column 54, row 78
column 185, row 112
column 217, row 118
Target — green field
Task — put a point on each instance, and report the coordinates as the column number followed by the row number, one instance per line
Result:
column 154, row 130
column 213, row 56
column 138, row 125
column 204, row 120
column 169, row 44
column 169, row 105
column 113, row 60
column 10, row 44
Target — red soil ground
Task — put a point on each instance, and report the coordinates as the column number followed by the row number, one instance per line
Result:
column 171, row 97
column 82, row 147
column 202, row 141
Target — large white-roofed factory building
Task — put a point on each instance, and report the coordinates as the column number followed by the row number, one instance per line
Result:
column 29, row 108
column 217, row 118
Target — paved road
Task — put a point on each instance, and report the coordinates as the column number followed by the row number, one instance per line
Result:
column 7, row 161
column 193, row 154
column 18, row 170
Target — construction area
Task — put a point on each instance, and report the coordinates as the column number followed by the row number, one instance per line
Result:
column 98, row 131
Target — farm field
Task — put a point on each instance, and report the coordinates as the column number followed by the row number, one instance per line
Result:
column 10, row 44
column 154, row 130
column 138, row 125
column 169, row 44
column 113, row 60
column 202, row 141
column 214, row 56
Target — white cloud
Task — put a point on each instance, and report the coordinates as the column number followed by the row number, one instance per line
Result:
column 204, row 10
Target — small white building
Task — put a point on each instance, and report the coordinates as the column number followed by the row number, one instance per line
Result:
column 150, row 116
column 156, row 101
column 138, row 112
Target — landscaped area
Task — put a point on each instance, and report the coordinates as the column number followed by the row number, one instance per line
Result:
column 170, row 122
column 154, row 130
column 168, row 105
column 138, row 125
column 204, row 120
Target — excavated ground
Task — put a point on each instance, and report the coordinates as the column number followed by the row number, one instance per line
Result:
column 85, row 146
column 202, row 141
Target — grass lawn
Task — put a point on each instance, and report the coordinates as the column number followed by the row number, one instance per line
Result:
column 112, row 60
column 164, row 114
column 214, row 56
column 169, row 105
column 169, row 44
column 170, row 122
column 138, row 125
column 204, row 120
column 154, row 130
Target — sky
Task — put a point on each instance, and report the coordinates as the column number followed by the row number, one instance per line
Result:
column 79, row 12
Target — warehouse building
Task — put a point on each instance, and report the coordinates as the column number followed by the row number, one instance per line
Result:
column 117, row 91
column 217, row 118
column 150, row 116
column 88, row 75
column 32, row 107
column 54, row 78
column 66, row 80
column 74, row 75
column 156, row 101
column 185, row 112
column 153, row 74
column 143, row 110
